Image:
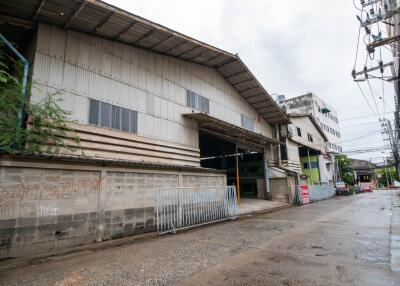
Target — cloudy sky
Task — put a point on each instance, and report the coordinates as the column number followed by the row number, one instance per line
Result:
column 292, row 47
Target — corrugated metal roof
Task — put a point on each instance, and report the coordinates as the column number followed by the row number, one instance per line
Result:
column 104, row 20
column 210, row 123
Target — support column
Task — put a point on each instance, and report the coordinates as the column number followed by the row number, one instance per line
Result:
column 237, row 174
column 309, row 165
column 266, row 175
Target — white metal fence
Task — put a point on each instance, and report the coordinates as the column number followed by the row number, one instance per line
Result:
column 321, row 192
column 179, row 208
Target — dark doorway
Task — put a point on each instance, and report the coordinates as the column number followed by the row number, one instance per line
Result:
column 216, row 152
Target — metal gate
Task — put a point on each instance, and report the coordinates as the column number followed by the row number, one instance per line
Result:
column 180, row 208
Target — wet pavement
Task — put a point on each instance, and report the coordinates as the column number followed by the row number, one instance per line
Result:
column 341, row 241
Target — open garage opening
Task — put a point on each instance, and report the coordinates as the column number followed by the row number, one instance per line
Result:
column 242, row 162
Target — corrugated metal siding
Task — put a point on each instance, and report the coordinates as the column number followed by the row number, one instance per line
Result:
column 135, row 79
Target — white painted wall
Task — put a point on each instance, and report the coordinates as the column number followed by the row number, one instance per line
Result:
column 82, row 67
column 306, row 126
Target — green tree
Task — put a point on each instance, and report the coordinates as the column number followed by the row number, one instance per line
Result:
column 45, row 127
column 345, row 169
column 387, row 175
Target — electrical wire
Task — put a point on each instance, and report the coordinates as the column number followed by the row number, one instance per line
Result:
column 366, row 100
column 363, row 136
column 360, row 117
column 373, row 97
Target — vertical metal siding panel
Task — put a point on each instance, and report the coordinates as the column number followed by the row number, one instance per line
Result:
column 72, row 49
column 37, row 67
column 142, row 78
column 159, row 65
column 57, row 43
column 125, row 72
column 164, row 129
column 149, row 103
column 70, row 77
column 105, row 91
column 158, row 85
column 117, row 49
column 116, row 68
column 43, row 39
column 142, row 58
column 134, row 56
column 134, row 78
column 125, row 96
column 82, row 80
column 140, row 96
column 107, row 46
column 45, row 69
column 151, row 62
column 126, row 53
column 106, row 64
column 115, row 94
column 150, row 82
column 96, row 55
column 157, row 105
column 56, row 73
column 94, row 59
column 84, row 55
column 94, row 82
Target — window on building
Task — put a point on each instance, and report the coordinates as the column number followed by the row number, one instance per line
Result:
column 314, row 165
column 247, row 122
column 298, row 131
column 197, row 101
column 309, row 136
column 112, row 116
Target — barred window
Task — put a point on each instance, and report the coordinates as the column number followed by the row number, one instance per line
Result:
column 112, row 116
column 197, row 101
column 247, row 122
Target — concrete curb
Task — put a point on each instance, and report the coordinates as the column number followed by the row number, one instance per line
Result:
column 260, row 212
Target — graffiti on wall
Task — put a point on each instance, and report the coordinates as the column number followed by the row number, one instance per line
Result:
column 26, row 199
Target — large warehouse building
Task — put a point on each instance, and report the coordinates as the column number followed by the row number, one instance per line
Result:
column 153, row 108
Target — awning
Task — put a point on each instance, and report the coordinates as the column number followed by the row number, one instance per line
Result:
column 103, row 20
column 227, row 129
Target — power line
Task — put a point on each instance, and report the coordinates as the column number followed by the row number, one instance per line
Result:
column 362, row 124
column 360, row 117
column 363, row 136
column 366, row 100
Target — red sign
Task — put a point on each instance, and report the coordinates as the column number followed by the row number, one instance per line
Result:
column 305, row 196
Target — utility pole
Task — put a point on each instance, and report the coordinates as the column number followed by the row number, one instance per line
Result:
column 387, row 12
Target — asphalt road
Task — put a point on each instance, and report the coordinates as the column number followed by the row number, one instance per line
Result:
column 342, row 241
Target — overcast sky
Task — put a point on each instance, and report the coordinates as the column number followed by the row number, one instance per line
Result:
column 291, row 46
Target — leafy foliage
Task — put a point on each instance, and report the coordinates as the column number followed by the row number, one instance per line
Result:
column 346, row 171
column 43, row 127
column 387, row 175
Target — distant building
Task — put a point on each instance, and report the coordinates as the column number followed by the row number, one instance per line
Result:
column 305, row 149
column 365, row 174
column 325, row 115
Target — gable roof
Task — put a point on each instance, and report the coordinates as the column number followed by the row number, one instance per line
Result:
column 313, row 120
column 360, row 165
column 107, row 21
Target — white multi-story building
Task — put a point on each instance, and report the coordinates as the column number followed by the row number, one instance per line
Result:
column 325, row 115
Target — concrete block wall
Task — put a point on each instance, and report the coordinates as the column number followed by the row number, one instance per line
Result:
column 46, row 207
